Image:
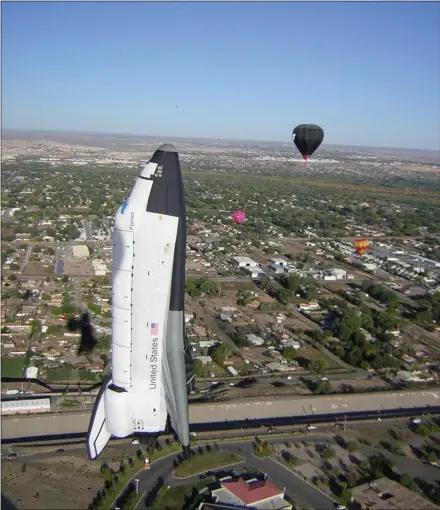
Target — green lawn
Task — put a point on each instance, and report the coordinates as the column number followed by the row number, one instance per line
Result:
column 69, row 373
column 70, row 403
column 117, row 487
column 13, row 367
column 167, row 450
column 206, row 462
column 264, row 452
column 133, row 500
column 174, row 498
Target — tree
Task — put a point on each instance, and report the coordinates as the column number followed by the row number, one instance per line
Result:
column 352, row 446
column 432, row 457
column 289, row 353
column 198, row 368
column 220, row 353
column 406, row 480
column 351, row 479
column 317, row 366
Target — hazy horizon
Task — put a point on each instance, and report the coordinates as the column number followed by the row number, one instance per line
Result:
column 368, row 73
column 399, row 150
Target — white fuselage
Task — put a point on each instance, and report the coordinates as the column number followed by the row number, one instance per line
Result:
column 143, row 254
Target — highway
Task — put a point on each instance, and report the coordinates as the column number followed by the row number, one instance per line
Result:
column 217, row 416
column 286, row 239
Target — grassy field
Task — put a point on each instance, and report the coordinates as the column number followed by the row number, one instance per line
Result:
column 206, row 462
column 118, row 487
column 174, row 498
column 69, row 373
column 314, row 355
column 12, row 367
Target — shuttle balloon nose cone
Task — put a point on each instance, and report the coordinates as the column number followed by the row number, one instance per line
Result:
column 167, row 147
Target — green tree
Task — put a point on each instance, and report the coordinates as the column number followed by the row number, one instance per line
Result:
column 317, row 366
column 220, row 353
column 432, row 457
column 199, row 368
column 289, row 353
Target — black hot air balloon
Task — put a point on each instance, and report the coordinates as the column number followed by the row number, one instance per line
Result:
column 307, row 138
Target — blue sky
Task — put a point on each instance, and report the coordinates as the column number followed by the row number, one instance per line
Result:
column 368, row 73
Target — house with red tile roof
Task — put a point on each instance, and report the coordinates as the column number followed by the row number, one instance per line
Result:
column 241, row 494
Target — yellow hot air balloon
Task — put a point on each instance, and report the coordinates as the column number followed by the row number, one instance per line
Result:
column 361, row 246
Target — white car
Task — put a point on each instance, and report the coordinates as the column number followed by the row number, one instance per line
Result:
column 416, row 421
column 135, row 441
column 311, row 427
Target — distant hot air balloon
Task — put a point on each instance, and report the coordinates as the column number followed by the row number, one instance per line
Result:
column 361, row 246
column 239, row 217
column 307, row 138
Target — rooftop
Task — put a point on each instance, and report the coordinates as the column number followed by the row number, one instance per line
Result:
column 244, row 260
column 253, row 491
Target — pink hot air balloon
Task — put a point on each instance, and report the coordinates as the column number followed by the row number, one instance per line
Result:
column 239, row 217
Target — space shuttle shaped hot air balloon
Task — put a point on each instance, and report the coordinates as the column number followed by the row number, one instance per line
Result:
column 151, row 365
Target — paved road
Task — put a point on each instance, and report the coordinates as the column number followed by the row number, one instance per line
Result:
column 322, row 431
column 304, row 494
column 88, row 231
column 108, row 241
column 257, row 408
column 27, row 257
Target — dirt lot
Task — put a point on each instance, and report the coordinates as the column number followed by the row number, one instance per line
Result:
column 295, row 323
column 61, row 482
column 335, row 286
column 235, row 286
column 262, row 319
column 37, row 269
column 314, row 355
column 263, row 387
column 359, row 384
column 78, row 268
column 228, row 298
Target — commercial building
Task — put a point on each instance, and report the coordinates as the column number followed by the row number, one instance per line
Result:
column 256, row 272
column 255, row 494
column 277, row 269
column 244, row 262
column 25, row 406
column 276, row 261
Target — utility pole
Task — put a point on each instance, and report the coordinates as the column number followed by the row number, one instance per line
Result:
column 137, row 485
column 345, row 422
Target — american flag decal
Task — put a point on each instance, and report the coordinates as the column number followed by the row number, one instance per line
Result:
column 154, row 328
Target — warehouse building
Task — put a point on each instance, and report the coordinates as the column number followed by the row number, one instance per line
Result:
column 25, row 406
